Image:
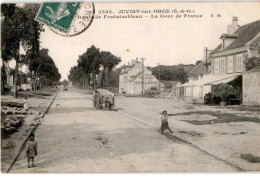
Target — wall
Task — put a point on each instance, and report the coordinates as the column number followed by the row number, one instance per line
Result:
column 149, row 81
column 133, row 87
column 251, row 87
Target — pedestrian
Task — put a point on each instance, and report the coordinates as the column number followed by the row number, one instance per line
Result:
column 165, row 124
column 25, row 106
column 31, row 150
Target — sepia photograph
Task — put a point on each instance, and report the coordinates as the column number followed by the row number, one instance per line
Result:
column 130, row 87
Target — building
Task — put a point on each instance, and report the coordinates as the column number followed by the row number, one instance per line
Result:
column 225, row 63
column 133, row 75
column 9, row 79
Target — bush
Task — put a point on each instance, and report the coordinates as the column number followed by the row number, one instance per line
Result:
column 153, row 88
column 223, row 91
column 250, row 158
column 151, row 93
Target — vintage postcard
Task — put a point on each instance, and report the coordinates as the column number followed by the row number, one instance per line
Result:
column 119, row 87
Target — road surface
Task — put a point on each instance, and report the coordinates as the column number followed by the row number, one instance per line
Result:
column 76, row 138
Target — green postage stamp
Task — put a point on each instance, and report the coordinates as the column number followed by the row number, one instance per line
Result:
column 65, row 18
column 58, row 15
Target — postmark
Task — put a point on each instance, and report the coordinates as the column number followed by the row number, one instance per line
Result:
column 67, row 19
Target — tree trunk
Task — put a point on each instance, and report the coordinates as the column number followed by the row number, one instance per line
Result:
column 35, row 82
column 89, row 78
column 102, row 78
column 3, row 74
column 94, row 81
column 108, row 72
column 16, row 76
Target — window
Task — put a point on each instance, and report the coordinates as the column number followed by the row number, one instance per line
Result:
column 230, row 64
column 222, row 65
column 216, row 66
column 239, row 63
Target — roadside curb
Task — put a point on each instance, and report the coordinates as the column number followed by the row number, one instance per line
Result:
column 32, row 131
column 182, row 140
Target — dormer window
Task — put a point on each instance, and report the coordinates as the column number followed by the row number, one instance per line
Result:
column 227, row 39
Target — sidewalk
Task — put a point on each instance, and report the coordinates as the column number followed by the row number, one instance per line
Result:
column 226, row 140
column 39, row 105
column 226, row 133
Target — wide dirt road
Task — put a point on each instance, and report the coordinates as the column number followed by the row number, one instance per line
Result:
column 76, row 138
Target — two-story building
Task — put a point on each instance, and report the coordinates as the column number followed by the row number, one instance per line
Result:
column 226, row 62
column 135, row 77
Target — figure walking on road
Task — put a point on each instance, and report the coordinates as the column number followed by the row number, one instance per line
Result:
column 25, row 106
column 31, row 150
column 165, row 124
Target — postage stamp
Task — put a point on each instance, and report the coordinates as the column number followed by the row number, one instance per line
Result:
column 67, row 19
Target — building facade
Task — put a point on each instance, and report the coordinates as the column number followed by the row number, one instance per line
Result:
column 225, row 63
column 134, row 78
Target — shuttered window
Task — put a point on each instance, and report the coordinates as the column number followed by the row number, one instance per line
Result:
column 230, row 64
column 222, row 65
column 239, row 63
column 216, row 65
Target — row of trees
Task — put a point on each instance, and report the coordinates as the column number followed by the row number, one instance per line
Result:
column 94, row 69
column 170, row 73
column 19, row 28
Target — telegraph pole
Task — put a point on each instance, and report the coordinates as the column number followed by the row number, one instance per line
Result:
column 206, row 50
column 142, row 74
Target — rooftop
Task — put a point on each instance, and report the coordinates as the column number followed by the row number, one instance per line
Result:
column 199, row 69
column 244, row 34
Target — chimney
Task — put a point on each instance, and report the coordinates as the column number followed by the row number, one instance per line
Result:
column 136, row 58
column 233, row 27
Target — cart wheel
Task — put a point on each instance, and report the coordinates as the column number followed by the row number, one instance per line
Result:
column 110, row 107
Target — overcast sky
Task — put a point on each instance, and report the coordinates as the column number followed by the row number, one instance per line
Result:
column 167, row 41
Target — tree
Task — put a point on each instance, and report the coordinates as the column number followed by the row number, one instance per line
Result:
column 19, row 28
column 43, row 69
column 90, row 61
column 170, row 73
column 223, row 91
column 252, row 63
column 90, row 64
column 108, row 62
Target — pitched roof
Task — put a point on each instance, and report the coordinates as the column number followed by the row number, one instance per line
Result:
column 199, row 69
column 127, row 68
column 133, row 77
column 245, row 34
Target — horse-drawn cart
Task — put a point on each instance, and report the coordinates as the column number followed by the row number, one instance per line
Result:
column 103, row 97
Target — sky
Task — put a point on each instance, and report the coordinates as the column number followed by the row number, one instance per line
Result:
column 168, row 41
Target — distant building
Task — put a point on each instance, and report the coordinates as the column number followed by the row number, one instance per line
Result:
column 225, row 63
column 9, row 79
column 130, row 79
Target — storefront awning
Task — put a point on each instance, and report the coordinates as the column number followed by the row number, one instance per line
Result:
column 212, row 80
column 224, row 81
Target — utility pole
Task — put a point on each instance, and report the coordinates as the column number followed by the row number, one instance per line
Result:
column 142, row 74
column 159, row 76
column 207, row 64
